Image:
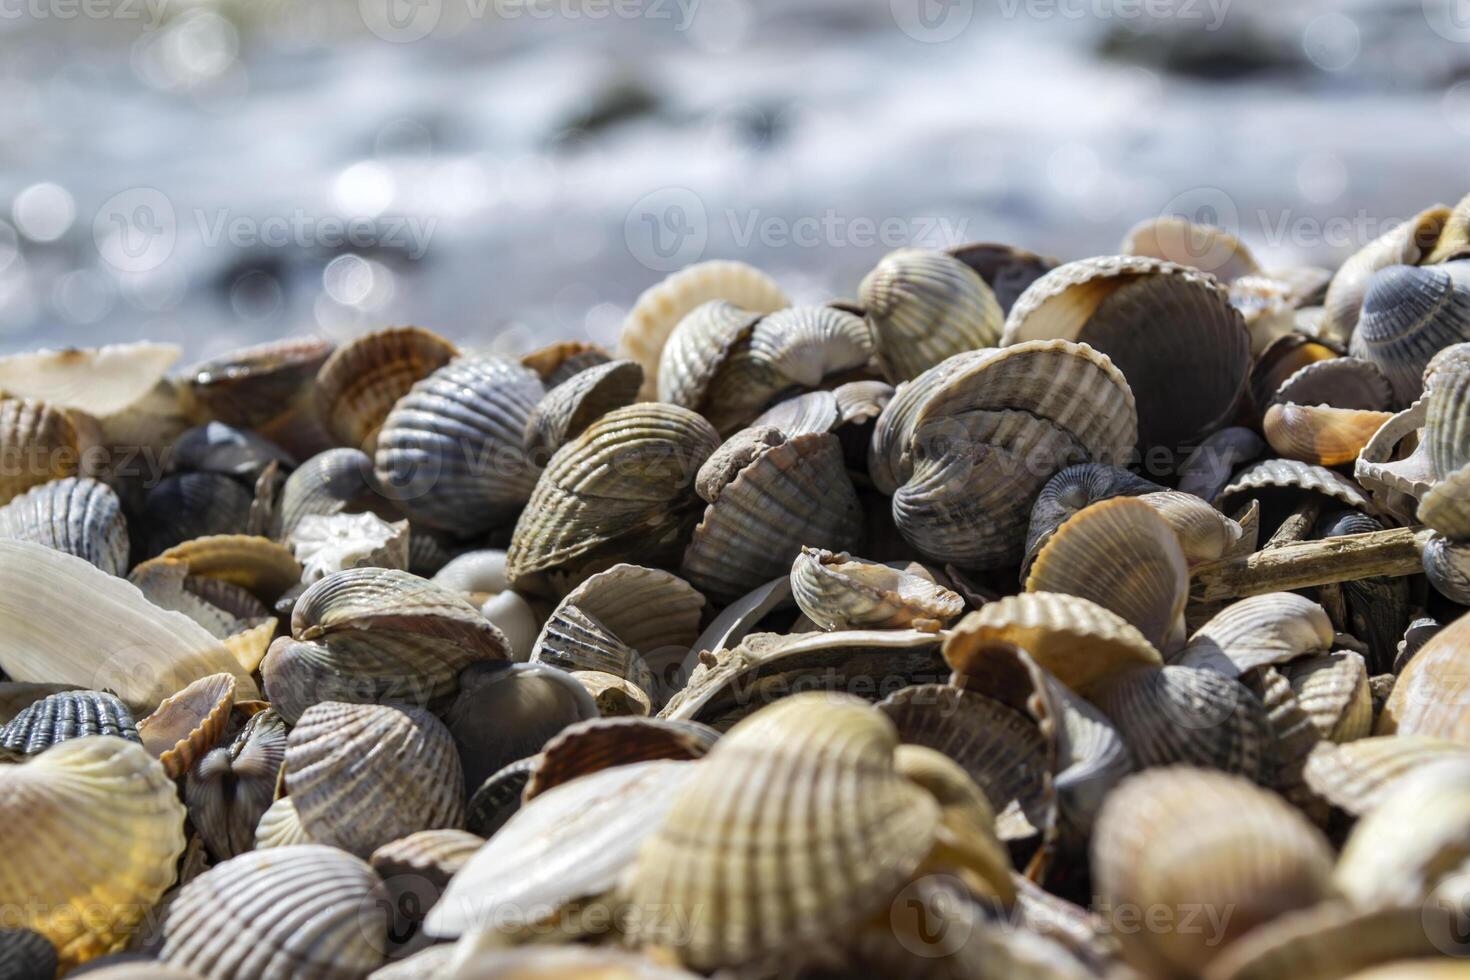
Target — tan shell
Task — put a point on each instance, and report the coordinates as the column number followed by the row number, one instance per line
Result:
column 1204, row 533
column 359, row 383
column 1074, row 488
column 91, row 829
column 1454, row 237
column 1259, row 631
column 1430, row 695
column 925, row 306
column 1296, row 737
column 576, row 403
column 838, row 591
column 280, row 826
column 305, row 911
column 1321, row 434
column 186, row 725
column 1182, row 242
column 263, row 567
column 98, row 380
column 363, row 775
column 601, row 743
column 555, row 962
column 230, row 787
column 1352, row 776
column 614, row 696
column 1177, row 838
column 1332, row 688
column 560, row 360
column 1169, row 329
column 660, row 308
column 39, row 443
column 814, row 411
column 1407, row 243
column 1329, row 942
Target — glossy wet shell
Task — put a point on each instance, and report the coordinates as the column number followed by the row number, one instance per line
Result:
column 40, row 442
column 255, row 386
column 363, row 775
column 305, row 911
column 1409, row 314
column 576, row 403
column 1320, row 434
column 925, row 306
column 1072, row 489
column 840, row 592
column 1203, row 247
column 229, row 789
column 79, row 516
column 1430, row 694
column 602, row 743
column 66, row 715
column 1178, row 837
column 1352, row 776
column 187, row 725
column 754, row 836
column 358, row 384
column 91, row 828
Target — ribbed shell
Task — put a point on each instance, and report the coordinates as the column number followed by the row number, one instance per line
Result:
column 558, row 361
column 566, row 960
column 98, row 380
column 1430, row 695
column 1447, row 420
column 660, row 308
column 450, row 453
column 791, row 832
column 1259, row 631
column 415, row 870
column 70, row 714
column 1179, row 838
column 358, row 384
column 498, row 798
column 1072, row 489
column 1320, row 434
column 305, row 912
column 1204, row 533
column 925, row 306
column 837, row 591
column 38, row 442
column 254, row 386
column 327, row 483
column 230, row 787
column 79, row 516
column 576, row 403
column 1343, row 382
column 625, row 482
column 1204, row 247
column 191, row 505
column 1294, row 475
column 1406, row 243
column 804, row 345
column 280, row 826
column 1352, row 776
column 1333, row 941
column 815, row 411
column 186, row 725
column 602, row 743
column 794, row 494
column 363, row 775
column 262, row 567
column 91, row 830
column 26, row 955
column 1332, row 688
column 1447, row 565
column 1410, row 313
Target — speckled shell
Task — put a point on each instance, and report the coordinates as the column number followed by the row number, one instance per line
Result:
column 1259, row 631
column 79, row 516
column 307, row 912
column 602, row 743
column 1292, row 474
column 69, row 714
column 328, row 483
column 925, row 306
column 39, row 441
column 1332, row 941
column 1072, row 489
column 789, row 495
column 660, row 308
column 91, row 829
column 1332, row 688
column 1179, row 837
column 358, row 384
column 1403, row 244
column 363, row 775
column 26, row 955
column 186, row 725
column 576, row 403
column 626, row 481
column 1203, row 247
column 837, row 591
column 569, row 843
column 1169, row 329
column 754, row 837
column 1352, row 776
column 1430, row 695
column 256, row 386
column 229, row 789
column 280, row 826
column 1409, row 314
column 376, row 635
column 450, row 453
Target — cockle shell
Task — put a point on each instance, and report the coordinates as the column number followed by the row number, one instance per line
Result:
column 1352, row 776
column 1333, row 940
column 415, row 871
column 614, row 696
column 280, row 826
column 365, row 774
column 258, row 387
column 1293, row 475
column 38, row 442
column 1454, row 236
column 186, row 506
column 1332, row 688
column 1320, row 434
column 262, row 567
column 547, row 962
column 1072, row 489
column 79, row 516
column 814, row 411
column 1204, row 533
column 576, row 403
column 1208, row 468
column 659, row 309
column 1409, row 314
column 100, row 381
column 1179, row 838
column 231, row 786
column 1343, row 382
column 1430, row 695
column 328, row 483
column 358, row 384
column 26, row 955
column 1259, row 631
column 838, row 591
column 1006, row 269
column 925, row 306
column 187, row 725
column 306, row 911
column 1199, row 246
column 67, row 715
column 91, row 829
column 602, row 743
column 1407, row 243
column 498, row 798
column 328, row 543
column 559, row 361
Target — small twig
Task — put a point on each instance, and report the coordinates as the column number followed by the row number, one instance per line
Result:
column 1297, row 525
column 1347, row 558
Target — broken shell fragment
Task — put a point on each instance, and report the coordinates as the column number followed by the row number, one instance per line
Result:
column 840, row 592
column 187, row 725
column 327, row 543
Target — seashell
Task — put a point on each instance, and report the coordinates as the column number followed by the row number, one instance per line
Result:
column 304, row 911
column 416, row 869
column 365, row 774
column 1404, row 244
column 66, row 715
column 1377, row 610
column 601, row 743
column 16, row 696
column 429, row 963
column 967, row 822
column 192, row 505
column 218, row 448
column 1328, row 942
column 838, row 592
column 258, row 387
column 328, row 483
column 1262, row 630
column 1454, row 236
column 1123, row 556
column 924, row 306
column 375, row 635
column 1072, row 489
column 37, row 443
column 558, row 362
column 1430, row 694
column 510, row 613
column 1176, row 838
column 478, row 574
column 1352, row 776
column 1071, row 637
column 1207, row 470
column 565, row 961
column 99, row 630
column 498, row 798
column 359, row 384
column 1343, row 382
column 507, row 712
column 1320, row 434
column 763, row 668
column 130, row 966
column 186, row 725
column 1409, row 314
column 26, row 955
column 1332, row 688
column 280, row 826
column 167, row 584
column 1204, row 533
column 566, row 410
column 328, row 543
column 571, row 842
column 614, row 696
column 965, row 446
column 812, row 412
column 1007, row 270
column 99, row 381
column 450, row 452
column 788, row 495
column 1183, row 715
column 660, row 308
column 1447, row 565
column 628, row 477
column 1267, row 305
column 113, row 830
column 258, row 565
column 1295, row 475
column 231, row 786
column 1394, row 466
column 1131, row 308
column 79, row 516
column 1176, row 240
column 1296, row 737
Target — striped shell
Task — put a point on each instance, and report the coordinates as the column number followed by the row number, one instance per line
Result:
column 38, row 443
column 925, row 306
column 280, row 826
column 79, row 516
column 26, row 955
column 1407, row 243
column 1432, row 691
column 1259, row 631
column 576, row 403
column 262, row 567
column 602, row 743
column 1332, row 688
column 498, row 798
column 231, row 786
column 328, row 483
column 837, row 591
column 69, row 714
column 1204, row 533
column 1334, row 940
column 187, row 725
column 560, row 360
column 1006, row 269
column 1410, row 313
column 1352, row 776
column 261, row 386
column 359, row 383
column 1072, row 489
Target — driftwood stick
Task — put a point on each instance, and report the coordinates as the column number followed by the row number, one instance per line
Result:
column 1298, row 525
column 1310, row 563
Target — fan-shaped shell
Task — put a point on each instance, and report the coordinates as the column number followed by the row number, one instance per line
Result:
column 231, row 786
column 38, row 443
column 262, row 567
column 1292, row 474
column 576, row 403
column 814, row 411
column 1204, row 533
column 1403, row 244
column 1182, row 242
column 280, row 826
column 925, row 306
column 358, row 384
column 558, row 361
column 362, row 775
column 187, row 725
column 1072, row 489
column 1447, row 566
column 1332, row 688
column 1431, row 693
column 66, row 715
column 79, row 516
column 1259, row 631
column 256, row 386
column 327, row 483
column 1006, row 269
column 415, row 870
column 602, row 743
column 1410, row 313
column 191, row 505
column 91, row 829
column 1320, row 434
column 1352, row 776
column 837, row 591
column 1342, row 382
column 100, row 381
column 1331, row 941
column 307, row 912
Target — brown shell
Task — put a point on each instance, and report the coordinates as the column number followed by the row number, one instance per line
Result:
column 837, row 591
column 559, row 361
column 1433, row 689
column 259, row 565
column 185, row 726
column 1331, row 941
column 1320, row 434
column 230, row 787
column 38, row 443
column 601, row 743
column 259, row 386
column 417, row 868
column 358, row 384
column 1182, row 242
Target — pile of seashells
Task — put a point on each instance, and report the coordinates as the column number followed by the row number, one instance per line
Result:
column 399, row 660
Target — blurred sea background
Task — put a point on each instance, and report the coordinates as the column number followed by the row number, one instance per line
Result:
column 510, row 171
